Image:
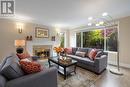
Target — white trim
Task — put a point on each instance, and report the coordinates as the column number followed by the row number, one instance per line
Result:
column 121, row 64
column 81, row 39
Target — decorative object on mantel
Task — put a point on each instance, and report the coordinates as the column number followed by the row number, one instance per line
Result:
column 53, row 38
column 29, row 38
column 58, row 50
column 41, row 32
column 19, row 44
column 104, row 22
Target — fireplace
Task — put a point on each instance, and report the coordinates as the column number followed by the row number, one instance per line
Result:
column 42, row 50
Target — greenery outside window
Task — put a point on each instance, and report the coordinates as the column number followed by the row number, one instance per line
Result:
column 98, row 38
column 93, row 39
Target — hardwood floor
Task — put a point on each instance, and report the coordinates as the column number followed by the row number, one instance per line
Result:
column 111, row 80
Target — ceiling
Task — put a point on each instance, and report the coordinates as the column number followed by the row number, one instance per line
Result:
column 69, row 13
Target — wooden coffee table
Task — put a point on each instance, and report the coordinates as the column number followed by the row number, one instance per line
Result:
column 64, row 69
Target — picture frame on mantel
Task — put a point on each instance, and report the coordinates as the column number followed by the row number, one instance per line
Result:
column 41, row 32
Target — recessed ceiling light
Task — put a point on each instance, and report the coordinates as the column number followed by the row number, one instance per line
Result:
column 104, row 14
column 90, row 18
column 89, row 24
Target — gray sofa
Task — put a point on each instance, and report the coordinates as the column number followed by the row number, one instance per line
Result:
column 98, row 65
column 45, row 78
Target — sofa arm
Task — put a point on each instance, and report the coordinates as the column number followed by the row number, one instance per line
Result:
column 100, row 63
column 46, row 78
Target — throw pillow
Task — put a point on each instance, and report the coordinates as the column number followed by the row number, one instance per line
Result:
column 11, row 69
column 92, row 54
column 30, row 67
column 81, row 54
column 99, row 54
column 68, row 50
column 23, row 56
column 27, row 60
column 74, row 50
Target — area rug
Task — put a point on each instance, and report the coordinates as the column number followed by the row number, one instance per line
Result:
column 82, row 78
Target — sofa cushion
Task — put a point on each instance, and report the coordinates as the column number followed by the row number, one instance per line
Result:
column 2, row 81
column 84, row 60
column 74, row 49
column 81, row 54
column 85, row 50
column 11, row 69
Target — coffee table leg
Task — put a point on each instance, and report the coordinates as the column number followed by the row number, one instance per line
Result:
column 64, row 72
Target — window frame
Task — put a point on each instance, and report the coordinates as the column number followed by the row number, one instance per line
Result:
column 105, row 37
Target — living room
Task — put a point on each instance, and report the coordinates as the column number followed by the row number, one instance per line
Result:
column 46, row 30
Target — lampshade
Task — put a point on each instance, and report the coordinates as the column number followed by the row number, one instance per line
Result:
column 19, row 43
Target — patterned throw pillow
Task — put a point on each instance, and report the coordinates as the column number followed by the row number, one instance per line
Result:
column 92, row 54
column 23, row 56
column 30, row 67
column 81, row 54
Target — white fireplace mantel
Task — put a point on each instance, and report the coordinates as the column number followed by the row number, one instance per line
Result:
column 30, row 44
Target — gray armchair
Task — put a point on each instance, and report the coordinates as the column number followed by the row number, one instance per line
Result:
column 46, row 78
column 11, row 75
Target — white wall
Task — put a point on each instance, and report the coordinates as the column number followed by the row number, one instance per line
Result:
column 9, row 33
column 124, row 39
column 72, row 38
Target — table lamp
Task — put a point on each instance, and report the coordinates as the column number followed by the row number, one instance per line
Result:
column 19, row 44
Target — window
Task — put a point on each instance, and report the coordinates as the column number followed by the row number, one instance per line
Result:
column 78, row 39
column 111, row 39
column 99, row 38
column 62, row 40
column 93, row 39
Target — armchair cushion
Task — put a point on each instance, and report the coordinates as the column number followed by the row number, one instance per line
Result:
column 2, row 81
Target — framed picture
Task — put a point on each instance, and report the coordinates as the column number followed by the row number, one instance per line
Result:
column 41, row 32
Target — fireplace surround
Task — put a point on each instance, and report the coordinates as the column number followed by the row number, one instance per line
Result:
column 42, row 50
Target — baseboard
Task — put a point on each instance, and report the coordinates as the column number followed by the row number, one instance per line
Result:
column 121, row 64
